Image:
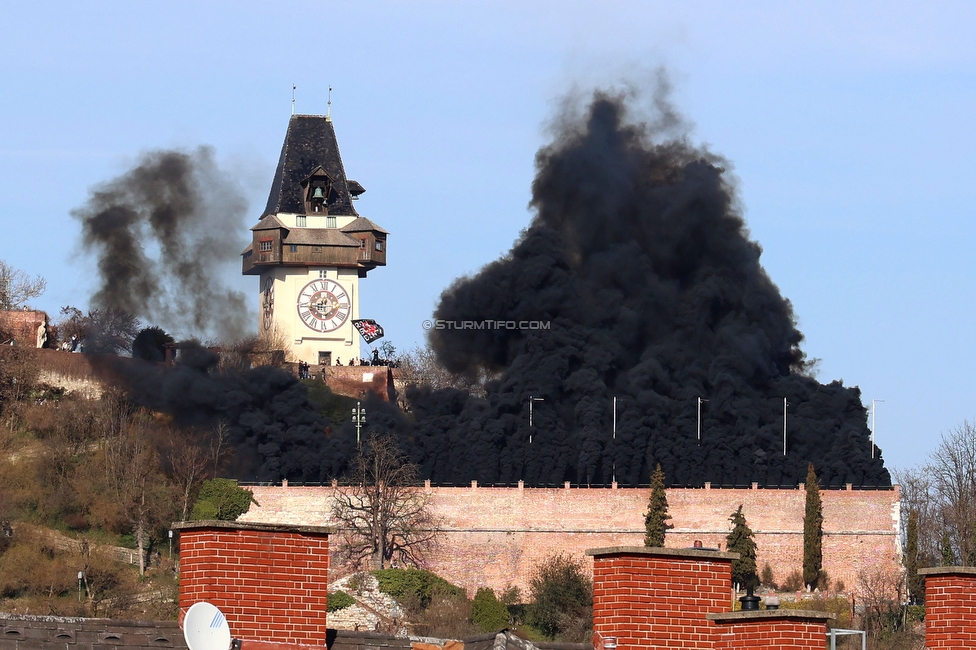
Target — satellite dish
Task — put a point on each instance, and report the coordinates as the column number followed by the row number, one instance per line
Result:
column 205, row 628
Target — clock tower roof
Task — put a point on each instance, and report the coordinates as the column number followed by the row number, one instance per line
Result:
column 310, row 155
column 268, row 222
column 362, row 224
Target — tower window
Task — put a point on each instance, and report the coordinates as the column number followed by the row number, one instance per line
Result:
column 330, row 222
column 293, row 248
column 379, row 245
column 323, row 274
column 300, row 220
column 265, row 245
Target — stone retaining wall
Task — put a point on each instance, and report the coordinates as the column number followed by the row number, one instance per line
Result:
column 496, row 536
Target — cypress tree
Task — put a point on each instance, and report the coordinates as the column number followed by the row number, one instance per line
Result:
column 656, row 519
column 946, row 550
column 740, row 541
column 812, row 532
column 916, row 586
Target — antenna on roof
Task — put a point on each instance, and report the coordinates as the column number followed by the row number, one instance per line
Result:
column 293, row 87
column 328, row 114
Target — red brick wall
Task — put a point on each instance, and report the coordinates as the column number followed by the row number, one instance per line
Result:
column 357, row 381
column 647, row 599
column 497, row 536
column 22, row 325
column 270, row 582
column 950, row 607
column 790, row 632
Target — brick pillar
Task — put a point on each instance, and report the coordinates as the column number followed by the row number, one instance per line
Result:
column 782, row 629
column 950, row 600
column 271, row 581
column 659, row 597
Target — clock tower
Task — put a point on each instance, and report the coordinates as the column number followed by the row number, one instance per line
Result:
column 311, row 248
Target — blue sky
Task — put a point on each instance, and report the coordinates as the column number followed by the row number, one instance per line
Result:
column 849, row 130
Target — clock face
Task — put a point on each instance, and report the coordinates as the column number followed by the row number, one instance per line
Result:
column 323, row 305
column 267, row 302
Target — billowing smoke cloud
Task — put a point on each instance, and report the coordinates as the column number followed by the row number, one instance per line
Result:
column 272, row 428
column 162, row 233
column 639, row 262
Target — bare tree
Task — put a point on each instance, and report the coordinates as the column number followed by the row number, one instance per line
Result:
column 133, row 478
column 921, row 526
column 188, row 462
column 269, row 348
column 881, row 594
column 383, row 515
column 16, row 287
column 193, row 456
column 420, row 367
column 953, row 475
column 217, row 447
column 108, row 330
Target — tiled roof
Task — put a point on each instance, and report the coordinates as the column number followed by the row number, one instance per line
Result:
column 320, row 237
column 355, row 188
column 310, row 143
column 268, row 222
column 362, row 224
column 69, row 633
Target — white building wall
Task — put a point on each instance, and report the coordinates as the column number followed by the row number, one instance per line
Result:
column 302, row 342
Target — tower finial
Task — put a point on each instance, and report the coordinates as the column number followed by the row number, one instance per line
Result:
column 293, row 87
column 328, row 114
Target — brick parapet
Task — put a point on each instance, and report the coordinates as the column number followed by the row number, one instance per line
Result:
column 271, row 582
column 780, row 629
column 22, row 326
column 498, row 535
column 950, row 604
column 646, row 599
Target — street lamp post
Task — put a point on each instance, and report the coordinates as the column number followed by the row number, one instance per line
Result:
column 171, row 544
column 613, row 464
column 81, row 576
column 700, row 400
column 785, row 404
column 359, row 419
column 532, row 400
column 874, row 423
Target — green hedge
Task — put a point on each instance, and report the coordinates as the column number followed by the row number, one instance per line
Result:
column 414, row 588
column 340, row 600
column 487, row 612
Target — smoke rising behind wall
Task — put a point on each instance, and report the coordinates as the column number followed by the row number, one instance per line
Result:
column 639, row 259
column 162, row 234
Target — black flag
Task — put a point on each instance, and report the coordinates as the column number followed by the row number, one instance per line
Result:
column 369, row 329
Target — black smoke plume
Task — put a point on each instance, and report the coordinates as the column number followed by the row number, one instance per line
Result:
column 162, row 232
column 273, row 429
column 639, row 262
